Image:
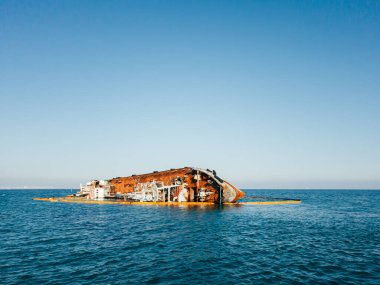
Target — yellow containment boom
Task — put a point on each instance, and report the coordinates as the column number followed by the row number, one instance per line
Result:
column 121, row 202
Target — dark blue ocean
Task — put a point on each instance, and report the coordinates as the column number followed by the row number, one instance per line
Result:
column 333, row 237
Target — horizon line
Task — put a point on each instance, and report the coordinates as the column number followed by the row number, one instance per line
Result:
column 59, row 188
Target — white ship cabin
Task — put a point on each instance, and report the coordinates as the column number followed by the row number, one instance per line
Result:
column 95, row 189
column 99, row 193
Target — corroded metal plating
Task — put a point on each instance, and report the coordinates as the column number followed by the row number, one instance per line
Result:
column 187, row 184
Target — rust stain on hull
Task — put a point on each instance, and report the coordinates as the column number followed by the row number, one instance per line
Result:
column 187, row 184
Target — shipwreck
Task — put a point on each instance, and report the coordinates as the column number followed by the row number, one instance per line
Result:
column 187, row 184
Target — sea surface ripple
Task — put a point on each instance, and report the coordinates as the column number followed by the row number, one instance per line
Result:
column 332, row 237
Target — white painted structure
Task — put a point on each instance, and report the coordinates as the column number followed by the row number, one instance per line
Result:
column 99, row 193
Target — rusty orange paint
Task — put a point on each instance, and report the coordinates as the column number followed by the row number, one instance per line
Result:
column 123, row 185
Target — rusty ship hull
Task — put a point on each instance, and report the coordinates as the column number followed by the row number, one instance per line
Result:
column 182, row 185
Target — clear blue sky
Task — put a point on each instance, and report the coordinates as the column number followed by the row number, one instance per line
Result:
column 274, row 94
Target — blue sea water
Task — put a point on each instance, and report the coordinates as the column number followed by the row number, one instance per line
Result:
column 332, row 237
